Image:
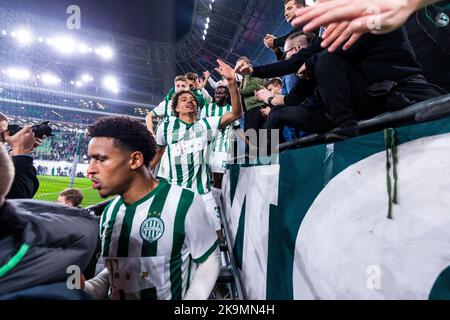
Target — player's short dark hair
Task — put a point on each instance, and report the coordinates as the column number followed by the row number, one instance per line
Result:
column 177, row 96
column 192, row 76
column 224, row 87
column 74, row 196
column 299, row 3
column 309, row 36
column 275, row 82
column 244, row 58
column 127, row 133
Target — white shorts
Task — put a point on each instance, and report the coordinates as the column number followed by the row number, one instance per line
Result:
column 218, row 162
column 212, row 210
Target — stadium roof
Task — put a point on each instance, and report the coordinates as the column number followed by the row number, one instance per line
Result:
column 153, row 40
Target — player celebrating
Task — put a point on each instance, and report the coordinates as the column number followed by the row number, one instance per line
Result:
column 221, row 144
column 188, row 141
column 153, row 231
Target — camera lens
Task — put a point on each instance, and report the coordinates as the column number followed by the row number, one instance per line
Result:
column 42, row 129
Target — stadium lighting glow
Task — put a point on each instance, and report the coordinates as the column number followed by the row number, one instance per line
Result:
column 204, row 38
column 210, row 6
column 24, row 36
column 86, row 78
column 110, row 83
column 64, row 45
column 50, row 79
column 208, row 20
column 4, row 32
column 13, row 34
column 40, row 39
column 78, row 84
column 206, row 26
column 105, row 52
column 205, row 32
column 18, row 73
column 83, row 48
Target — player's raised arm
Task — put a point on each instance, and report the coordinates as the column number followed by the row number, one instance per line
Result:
column 228, row 73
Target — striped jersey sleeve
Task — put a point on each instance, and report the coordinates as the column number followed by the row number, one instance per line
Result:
column 159, row 110
column 160, row 136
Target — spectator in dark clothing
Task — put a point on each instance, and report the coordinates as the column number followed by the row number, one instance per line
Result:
column 378, row 74
column 429, row 32
column 25, row 183
column 39, row 241
column 276, row 43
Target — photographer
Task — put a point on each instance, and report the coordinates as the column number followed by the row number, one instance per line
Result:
column 25, row 184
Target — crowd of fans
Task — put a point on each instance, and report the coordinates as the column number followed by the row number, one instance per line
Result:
column 63, row 146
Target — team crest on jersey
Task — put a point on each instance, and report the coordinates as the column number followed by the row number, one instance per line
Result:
column 152, row 229
column 198, row 128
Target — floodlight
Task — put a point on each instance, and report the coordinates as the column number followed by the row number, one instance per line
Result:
column 50, row 79
column 105, row 52
column 18, row 73
column 24, row 36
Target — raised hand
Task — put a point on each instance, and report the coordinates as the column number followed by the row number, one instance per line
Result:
column 226, row 71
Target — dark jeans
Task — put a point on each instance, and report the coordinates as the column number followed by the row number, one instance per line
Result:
column 348, row 96
column 253, row 119
column 303, row 117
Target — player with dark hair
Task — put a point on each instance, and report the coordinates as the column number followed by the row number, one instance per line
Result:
column 153, row 231
column 188, row 141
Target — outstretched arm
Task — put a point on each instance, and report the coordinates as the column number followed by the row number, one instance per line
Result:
column 236, row 106
column 205, row 278
column 375, row 16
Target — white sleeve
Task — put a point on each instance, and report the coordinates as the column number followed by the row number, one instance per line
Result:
column 201, row 237
column 206, row 95
column 212, row 83
column 98, row 287
column 160, row 138
column 159, row 110
column 204, row 278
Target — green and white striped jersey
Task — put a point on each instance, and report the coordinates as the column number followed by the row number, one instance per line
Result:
column 188, row 147
column 222, row 142
column 164, row 109
column 149, row 246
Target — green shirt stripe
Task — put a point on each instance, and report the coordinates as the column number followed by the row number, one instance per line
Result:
column 207, row 253
column 109, row 229
column 105, row 213
column 124, row 238
column 160, row 196
column 186, row 199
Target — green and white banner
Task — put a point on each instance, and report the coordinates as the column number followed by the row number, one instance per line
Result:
column 366, row 218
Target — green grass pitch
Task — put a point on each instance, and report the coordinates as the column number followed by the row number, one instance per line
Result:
column 50, row 187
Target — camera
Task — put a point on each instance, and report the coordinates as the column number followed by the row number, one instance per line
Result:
column 40, row 130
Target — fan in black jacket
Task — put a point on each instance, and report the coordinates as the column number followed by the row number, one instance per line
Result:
column 378, row 74
column 39, row 241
